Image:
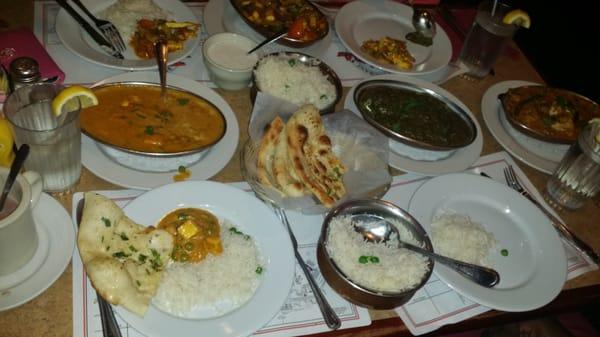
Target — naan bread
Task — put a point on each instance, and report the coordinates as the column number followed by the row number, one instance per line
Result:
column 123, row 260
column 312, row 158
column 288, row 184
column 266, row 152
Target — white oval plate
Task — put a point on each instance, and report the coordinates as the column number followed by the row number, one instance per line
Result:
column 459, row 160
column 53, row 220
column 220, row 16
column 535, row 269
column 217, row 157
column 362, row 20
column 249, row 215
column 76, row 39
column 540, row 155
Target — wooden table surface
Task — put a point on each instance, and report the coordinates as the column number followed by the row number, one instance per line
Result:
column 50, row 314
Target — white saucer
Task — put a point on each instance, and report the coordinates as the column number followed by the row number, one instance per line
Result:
column 52, row 219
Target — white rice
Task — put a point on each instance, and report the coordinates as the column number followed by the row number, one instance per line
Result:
column 124, row 14
column 291, row 80
column 398, row 269
column 456, row 236
column 217, row 283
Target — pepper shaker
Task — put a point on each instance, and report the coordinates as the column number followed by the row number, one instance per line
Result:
column 24, row 71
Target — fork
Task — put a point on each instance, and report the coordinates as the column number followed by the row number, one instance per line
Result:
column 512, row 181
column 110, row 32
column 110, row 328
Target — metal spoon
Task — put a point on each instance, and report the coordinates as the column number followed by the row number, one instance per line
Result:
column 270, row 40
column 425, row 28
column 15, row 168
column 161, row 50
column 377, row 229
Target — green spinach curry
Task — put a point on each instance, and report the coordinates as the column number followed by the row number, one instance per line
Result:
column 414, row 115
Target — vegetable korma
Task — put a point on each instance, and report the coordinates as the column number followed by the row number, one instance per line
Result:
column 135, row 117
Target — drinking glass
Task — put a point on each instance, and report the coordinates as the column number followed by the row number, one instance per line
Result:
column 577, row 177
column 486, row 39
column 55, row 142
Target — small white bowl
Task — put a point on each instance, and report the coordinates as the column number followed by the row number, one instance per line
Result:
column 228, row 64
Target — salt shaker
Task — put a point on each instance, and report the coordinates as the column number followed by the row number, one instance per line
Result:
column 24, row 71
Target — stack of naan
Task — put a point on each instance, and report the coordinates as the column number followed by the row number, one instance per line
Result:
column 123, row 260
column 296, row 158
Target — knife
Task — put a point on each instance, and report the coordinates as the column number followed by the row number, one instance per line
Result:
column 100, row 40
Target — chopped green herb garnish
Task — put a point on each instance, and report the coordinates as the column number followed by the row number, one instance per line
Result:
column 139, row 284
column 182, row 101
column 142, row 258
column 149, row 130
column 181, row 169
column 363, row 259
column 259, row 270
column 504, row 252
column 133, row 249
column 323, row 97
column 102, row 238
column 292, row 62
column 124, row 237
column 235, row 231
column 189, row 246
column 373, row 259
column 106, row 221
column 120, row 255
column 182, row 216
column 155, row 262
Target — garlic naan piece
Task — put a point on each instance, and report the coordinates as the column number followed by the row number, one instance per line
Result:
column 123, row 260
column 266, row 152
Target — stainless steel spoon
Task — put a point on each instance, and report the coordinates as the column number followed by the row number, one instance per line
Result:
column 425, row 27
column 270, row 40
column 377, row 229
column 15, row 168
column 161, row 50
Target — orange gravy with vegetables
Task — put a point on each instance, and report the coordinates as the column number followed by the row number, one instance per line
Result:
column 135, row 117
column 196, row 233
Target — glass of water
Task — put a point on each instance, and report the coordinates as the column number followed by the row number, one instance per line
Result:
column 486, row 39
column 55, row 142
column 577, row 177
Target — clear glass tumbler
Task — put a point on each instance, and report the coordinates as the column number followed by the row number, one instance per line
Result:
column 577, row 177
column 486, row 39
column 55, row 142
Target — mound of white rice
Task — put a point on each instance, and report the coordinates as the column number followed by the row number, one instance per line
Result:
column 124, row 14
column 226, row 281
column 394, row 269
column 456, row 236
column 289, row 79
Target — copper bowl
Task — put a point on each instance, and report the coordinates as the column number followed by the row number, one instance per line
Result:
column 327, row 71
column 286, row 40
column 351, row 290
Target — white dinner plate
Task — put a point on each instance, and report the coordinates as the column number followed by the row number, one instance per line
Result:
column 362, row 20
column 217, row 157
column 535, row 269
column 543, row 156
column 220, row 16
column 77, row 40
column 460, row 160
column 54, row 224
column 249, row 215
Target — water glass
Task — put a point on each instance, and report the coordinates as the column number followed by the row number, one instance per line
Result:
column 55, row 142
column 486, row 39
column 577, row 177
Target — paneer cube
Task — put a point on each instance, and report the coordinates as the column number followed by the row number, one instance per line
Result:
column 188, row 229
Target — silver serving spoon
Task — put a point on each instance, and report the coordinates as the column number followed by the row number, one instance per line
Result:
column 15, row 168
column 161, row 50
column 270, row 40
column 377, row 229
column 425, row 28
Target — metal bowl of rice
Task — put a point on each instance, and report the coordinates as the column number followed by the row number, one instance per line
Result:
column 297, row 78
column 372, row 275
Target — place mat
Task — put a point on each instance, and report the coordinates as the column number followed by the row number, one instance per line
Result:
column 348, row 68
column 432, row 307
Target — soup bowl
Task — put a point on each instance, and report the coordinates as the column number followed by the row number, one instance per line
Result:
column 135, row 127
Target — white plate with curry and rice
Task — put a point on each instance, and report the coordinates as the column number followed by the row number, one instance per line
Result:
column 525, row 250
column 211, row 161
column 179, row 308
column 77, row 40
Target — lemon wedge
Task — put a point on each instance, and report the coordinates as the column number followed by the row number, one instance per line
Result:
column 517, row 17
column 6, row 143
column 596, row 121
column 72, row 98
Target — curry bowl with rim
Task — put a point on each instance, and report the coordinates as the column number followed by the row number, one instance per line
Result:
column 133, row 126
column 415, row 116
column 352, row 290
column 310, row 61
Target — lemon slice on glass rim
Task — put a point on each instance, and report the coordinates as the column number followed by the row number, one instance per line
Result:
column 73, row 98
column 517, row 17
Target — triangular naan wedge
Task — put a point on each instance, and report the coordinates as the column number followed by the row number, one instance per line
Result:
column 290, row 185
column 266, row 152
column 123, row 260
column 312, row 158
